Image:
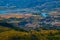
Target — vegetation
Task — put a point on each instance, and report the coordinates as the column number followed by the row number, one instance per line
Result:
column 12, row 34
column 10, row 29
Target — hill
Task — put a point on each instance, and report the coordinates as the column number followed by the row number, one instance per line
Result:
column 11, row 34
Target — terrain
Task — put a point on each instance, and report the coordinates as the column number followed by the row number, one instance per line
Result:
column 12, row 34
column 29, row 19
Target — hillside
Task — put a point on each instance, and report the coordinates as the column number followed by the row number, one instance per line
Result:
column 29, row 19
column 11, row 34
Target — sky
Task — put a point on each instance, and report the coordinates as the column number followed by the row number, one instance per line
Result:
column 22, row 5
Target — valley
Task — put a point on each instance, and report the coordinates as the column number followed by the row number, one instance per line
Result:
column 31, row 21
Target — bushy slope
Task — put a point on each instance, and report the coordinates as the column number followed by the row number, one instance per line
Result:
column 10, row 34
